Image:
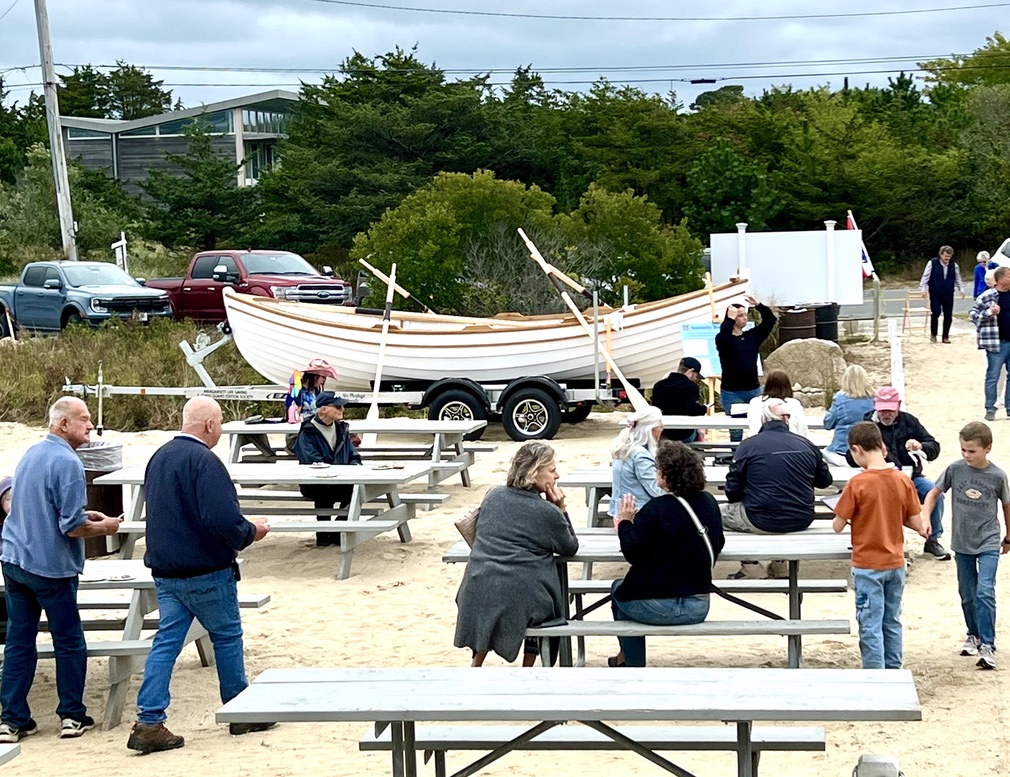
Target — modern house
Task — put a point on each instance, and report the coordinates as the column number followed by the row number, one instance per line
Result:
column 247, row 128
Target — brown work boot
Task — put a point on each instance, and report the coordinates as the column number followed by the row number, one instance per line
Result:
column 153, row 738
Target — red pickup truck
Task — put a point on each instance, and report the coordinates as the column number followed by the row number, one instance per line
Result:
column 279, row 274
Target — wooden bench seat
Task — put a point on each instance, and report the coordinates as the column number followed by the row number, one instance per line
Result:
column 793, row 630
column 254, row 495
column 745, row 586
column 9, row 752
column 101, row 649
column 438, row 740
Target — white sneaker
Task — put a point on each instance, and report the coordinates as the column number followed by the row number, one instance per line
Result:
column 986, row 657
column 71, row 728
column 970, row 647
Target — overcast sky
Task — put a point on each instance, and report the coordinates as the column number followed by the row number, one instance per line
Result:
column 655, row 54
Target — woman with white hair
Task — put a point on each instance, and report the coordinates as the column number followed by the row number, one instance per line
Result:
column 983, row 267
column 634, row 459
column 511, row 580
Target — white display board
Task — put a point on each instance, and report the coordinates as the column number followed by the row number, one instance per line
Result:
column 794, row 268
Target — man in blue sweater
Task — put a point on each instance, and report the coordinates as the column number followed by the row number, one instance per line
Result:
column 43, row 556
column 194, row 532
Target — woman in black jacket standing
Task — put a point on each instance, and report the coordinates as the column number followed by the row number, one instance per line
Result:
column 671, row 566
column 738, row 355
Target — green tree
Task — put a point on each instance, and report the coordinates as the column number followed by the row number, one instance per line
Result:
column 456, row 219
column 725, row 188
column 84, row 93
column 21, row 126
column 716, row 98
column 200, row 203
column 358, row 144
column 987, row 143
column 654, row 260
column 134, row 93
column 986, row 66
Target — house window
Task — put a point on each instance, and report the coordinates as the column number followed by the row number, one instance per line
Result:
column 259, row 157
column 266, row 122
column 141, row 132
column 74, row 133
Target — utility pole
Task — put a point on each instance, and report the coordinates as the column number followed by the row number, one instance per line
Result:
column 67, row 227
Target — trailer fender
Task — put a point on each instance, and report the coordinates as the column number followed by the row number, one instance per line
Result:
column 458, row 384
column 533, row 381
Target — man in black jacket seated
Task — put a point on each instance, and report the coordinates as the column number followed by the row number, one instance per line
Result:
column 324, row 439
column 194, row 531
column 904, row 435
column 770, row 485
column 677, row 394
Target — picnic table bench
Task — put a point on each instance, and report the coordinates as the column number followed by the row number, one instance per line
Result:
column 376, row 505
column 448, row 451
column 400, row 698
column 721, row 422
column 127, row 655
column 603, row 545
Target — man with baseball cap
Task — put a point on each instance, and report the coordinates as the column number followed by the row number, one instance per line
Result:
column 677, row 394
column 904, row 435
column 324, row 439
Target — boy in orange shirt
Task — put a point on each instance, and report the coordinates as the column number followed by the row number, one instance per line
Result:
column 877, row 503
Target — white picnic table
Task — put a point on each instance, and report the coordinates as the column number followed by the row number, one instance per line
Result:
column 602, row 545
column 128, row 653
column 401, row 697
column 721, row 422
column 369, row 482
column 598, row 482
column 445, row 450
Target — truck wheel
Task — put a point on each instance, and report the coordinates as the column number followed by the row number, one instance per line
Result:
column 576, row 414
column 458, row 405
column 531, row 414
column 5, row 331
column 74, row 319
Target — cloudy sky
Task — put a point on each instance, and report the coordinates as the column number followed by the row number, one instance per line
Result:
column 653, row 45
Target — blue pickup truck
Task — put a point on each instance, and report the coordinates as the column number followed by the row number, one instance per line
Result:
column 53, row 295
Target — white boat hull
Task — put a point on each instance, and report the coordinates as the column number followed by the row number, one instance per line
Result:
column 278, row 337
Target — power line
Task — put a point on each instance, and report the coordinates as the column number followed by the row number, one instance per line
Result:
column 562, row 17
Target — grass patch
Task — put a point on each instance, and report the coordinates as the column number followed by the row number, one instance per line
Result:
column 132, row 354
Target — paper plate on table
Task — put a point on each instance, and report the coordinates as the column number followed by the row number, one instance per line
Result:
column 120, row 578
column 388, row 466
column 91, row 578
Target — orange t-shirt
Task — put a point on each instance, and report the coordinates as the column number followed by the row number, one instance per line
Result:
column 877, row 502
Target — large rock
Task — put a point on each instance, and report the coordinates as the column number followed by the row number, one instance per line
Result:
column 812, row 363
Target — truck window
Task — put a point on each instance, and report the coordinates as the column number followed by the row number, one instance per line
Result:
column 34, row 276
column 52, row 274
column 203, row 268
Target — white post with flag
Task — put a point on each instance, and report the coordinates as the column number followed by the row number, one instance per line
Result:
column 850, row 223
column 868, row 272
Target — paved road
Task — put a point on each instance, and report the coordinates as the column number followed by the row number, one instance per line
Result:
column 894, row 301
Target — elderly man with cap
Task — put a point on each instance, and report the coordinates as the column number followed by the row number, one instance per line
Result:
column 907, row 443
column 678, row 394
column 324, row 439
column 770, row 484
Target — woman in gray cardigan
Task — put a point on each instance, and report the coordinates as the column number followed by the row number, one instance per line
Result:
column 511, row 579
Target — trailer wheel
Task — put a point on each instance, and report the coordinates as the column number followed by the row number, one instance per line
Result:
column 531, row 414
column 576, row 414
column 458, row 405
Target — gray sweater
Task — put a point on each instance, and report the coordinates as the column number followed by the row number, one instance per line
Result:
column 511, row 579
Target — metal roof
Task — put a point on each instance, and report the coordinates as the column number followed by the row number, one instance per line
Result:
column 275, row 100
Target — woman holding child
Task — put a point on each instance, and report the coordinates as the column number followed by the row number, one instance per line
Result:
column 671, row 558
column 511, row 580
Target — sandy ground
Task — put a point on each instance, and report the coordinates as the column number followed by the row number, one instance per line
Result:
column 398, row 609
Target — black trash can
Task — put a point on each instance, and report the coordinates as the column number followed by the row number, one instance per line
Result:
column 826, row 320
column 100, row 457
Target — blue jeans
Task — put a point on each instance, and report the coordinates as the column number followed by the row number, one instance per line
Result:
column 211, row 599
column 656, row 612
column 923, row 486
column 976, row 583
column 27, row 596
column 730, row 398
column 994, row 363
column 878, row 612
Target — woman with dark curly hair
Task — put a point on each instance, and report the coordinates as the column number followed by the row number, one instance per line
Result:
column 671, row 569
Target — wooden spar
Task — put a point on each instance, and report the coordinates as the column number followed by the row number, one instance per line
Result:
column 634, row 395
column 549, row 268
column 397, row 287
column 373, row 409
column 711, row 297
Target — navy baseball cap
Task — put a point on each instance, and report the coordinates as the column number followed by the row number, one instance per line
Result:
column 690, row 363
column 329, row 398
